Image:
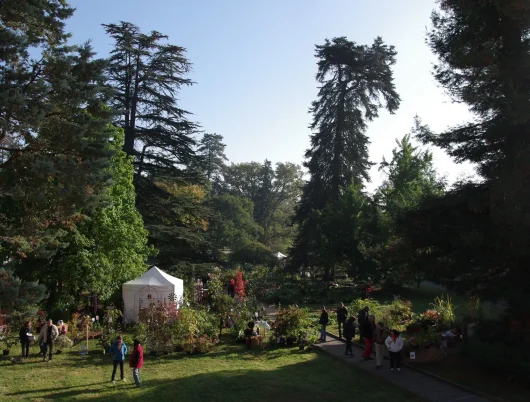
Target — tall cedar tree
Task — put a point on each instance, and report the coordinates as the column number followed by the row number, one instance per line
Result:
column 147, row 75
column 52, row 128
column 353, row 80
column 484, row 53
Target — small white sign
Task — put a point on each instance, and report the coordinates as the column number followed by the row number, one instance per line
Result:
column 412, row 355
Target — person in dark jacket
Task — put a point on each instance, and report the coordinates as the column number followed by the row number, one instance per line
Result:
column 232, row 289
column 368, row 334
column 342, row 314
column 349, row 333
column 361, row 319
column 324, row 319
column 137, row 361
column 26, row 336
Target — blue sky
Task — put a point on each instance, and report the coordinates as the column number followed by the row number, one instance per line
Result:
column 254, row 65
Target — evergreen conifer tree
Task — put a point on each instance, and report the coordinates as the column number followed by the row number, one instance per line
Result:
column 354, row 78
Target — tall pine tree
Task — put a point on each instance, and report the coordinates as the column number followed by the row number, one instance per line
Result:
column 484, row 61
column 354, row 78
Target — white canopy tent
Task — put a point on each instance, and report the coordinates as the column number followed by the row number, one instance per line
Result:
column 154, row 287
column 280, row 256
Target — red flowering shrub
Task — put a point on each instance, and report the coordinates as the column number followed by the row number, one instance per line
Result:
column 239, row 285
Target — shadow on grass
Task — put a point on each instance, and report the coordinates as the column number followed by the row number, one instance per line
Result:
column 321, row 378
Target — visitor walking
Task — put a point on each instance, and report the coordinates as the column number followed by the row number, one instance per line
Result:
column 137, row 361
column 394, row 343
column 232, row 288
column 361, row 319
column 349, row 333
column 324, row 319
column 342, row 315
column 47, row 337
column 368, row 333
column 26, row 336
column 119, row 350
column 380, row 336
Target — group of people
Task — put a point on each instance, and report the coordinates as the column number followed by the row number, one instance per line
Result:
column 136, row 361
column 370, row 333
column 49, row 333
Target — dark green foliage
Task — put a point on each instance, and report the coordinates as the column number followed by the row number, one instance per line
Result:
column 478, row 234
column 17, row 295
column 233, row 225
column 108, row 249
column 353, row 80
column 254, row 253
column 274, row 193
column 212, row 152
column 410, row 180
column 53, row 139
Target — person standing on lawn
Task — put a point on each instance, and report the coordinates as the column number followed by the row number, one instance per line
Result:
column 26, row 336
column 48, row 335
column 342, row 314
column 394, row 343
column 361, row 319
column 119, row 350
column 137, row 361
column 380, row 335
column 349, row 333
column 324, row 319
column 368, row 333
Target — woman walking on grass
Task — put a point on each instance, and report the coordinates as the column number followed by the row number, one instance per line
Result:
column 394, row 343
column 137, row 361
column 26, row 336
column 119, row 350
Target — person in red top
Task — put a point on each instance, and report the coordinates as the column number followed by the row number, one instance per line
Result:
column 137, row 361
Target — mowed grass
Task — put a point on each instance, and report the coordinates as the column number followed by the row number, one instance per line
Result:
column 228, row 373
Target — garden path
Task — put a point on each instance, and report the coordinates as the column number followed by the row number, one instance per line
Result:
column 414, row 381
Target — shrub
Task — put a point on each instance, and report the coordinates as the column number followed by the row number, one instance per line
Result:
column 63, row 342
column 395, row 315
column 294, row 322
column 445, row 310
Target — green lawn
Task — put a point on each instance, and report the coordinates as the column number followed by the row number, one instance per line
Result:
column 229, row 373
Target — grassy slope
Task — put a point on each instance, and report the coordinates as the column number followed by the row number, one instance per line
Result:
column 229, row 373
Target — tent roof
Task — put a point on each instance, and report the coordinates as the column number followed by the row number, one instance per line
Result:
column 155, row 277
column 279, row 255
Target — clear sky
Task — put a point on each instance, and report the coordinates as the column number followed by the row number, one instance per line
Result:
column 254, row 65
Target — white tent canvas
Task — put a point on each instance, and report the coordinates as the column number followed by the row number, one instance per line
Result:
column 154, row 287
column 279, row 255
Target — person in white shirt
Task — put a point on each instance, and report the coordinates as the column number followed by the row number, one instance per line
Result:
column 394, row 343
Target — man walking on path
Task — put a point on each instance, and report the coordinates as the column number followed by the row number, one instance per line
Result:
column 361, row 319
column 368, row 334
column 47, row 337
column 342, row 314
column 380, row 335
column 349, row 333
column 324, row 318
